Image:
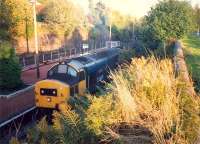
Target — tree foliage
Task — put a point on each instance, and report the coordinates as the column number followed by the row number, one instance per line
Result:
column 170, row 19
column 10, row 71
column 61, row 16
column 98, row 12
column 16, row 16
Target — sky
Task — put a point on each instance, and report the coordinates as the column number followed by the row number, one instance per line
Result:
column 137, row 8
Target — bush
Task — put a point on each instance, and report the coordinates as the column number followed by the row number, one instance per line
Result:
column 10, row 71
column 126, row 55
column 68, row 126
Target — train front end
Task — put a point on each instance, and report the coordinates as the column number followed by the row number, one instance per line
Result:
column 64, row 80
column 51, row 93
column 74, row 78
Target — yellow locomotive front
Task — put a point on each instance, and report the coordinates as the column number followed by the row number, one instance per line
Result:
column 51, row 93
column 63, row 80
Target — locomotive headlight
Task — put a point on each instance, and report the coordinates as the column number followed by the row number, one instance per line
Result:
column 54, row 92
column 49, row 99
column 42, row 91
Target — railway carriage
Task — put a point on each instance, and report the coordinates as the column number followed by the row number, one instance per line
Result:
column 74, row 77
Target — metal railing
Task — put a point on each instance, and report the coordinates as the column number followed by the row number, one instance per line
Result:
column 29, row 60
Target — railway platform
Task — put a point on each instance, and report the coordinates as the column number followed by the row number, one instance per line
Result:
column 29, row 77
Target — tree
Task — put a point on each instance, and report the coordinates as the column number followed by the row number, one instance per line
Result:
column 170, row 19
column 10, row 71
column 16, row 17
column 61, row 16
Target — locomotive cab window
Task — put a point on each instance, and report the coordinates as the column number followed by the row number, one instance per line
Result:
column 62, row 69
column 72, row 72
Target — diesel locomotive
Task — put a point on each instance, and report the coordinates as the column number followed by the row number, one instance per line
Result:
column 74, row 77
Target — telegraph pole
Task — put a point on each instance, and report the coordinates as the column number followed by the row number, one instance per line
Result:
column 110, row 27
column 110, row 34
column 36, row 37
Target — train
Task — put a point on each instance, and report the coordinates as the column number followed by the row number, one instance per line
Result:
column 74, row 77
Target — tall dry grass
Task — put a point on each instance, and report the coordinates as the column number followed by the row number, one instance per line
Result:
column 147, row 93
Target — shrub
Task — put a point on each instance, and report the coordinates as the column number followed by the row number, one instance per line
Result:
column 126, row 55
column 68, row 126
column 10, row 71
column 101, row 113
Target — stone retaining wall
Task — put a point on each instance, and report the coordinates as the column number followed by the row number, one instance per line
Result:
column 181, row 69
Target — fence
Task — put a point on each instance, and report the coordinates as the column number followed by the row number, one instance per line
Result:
column 29, row 60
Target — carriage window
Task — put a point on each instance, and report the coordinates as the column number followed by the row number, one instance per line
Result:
column 62, row 69
column 72, row 72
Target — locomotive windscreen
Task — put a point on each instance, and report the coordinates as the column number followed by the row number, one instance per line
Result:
column 64, row 73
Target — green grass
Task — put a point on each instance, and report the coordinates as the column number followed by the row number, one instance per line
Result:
column 192, row 56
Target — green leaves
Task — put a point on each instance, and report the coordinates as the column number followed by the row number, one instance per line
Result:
column 170, row 19
column 5, row 50
column 10, row 70
column 16, row 16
